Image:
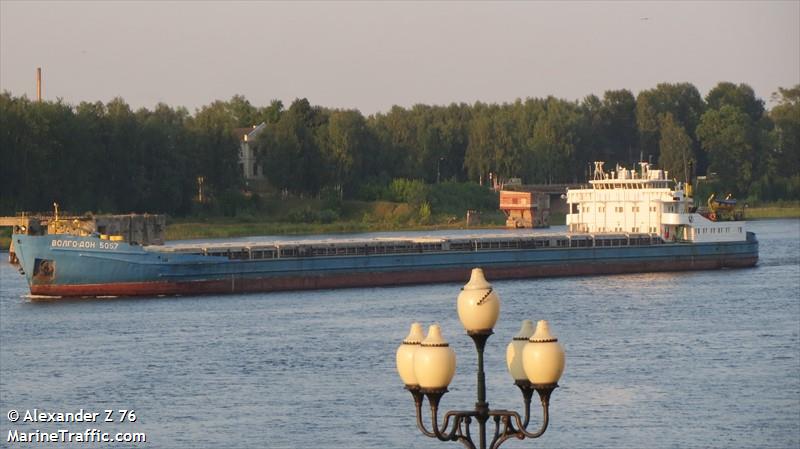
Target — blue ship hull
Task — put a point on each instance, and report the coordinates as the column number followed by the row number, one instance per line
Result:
column 66, row 265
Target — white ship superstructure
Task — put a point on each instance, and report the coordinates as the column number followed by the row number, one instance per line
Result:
column 626, row 201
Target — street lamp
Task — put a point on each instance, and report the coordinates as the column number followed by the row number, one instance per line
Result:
column 426, row 366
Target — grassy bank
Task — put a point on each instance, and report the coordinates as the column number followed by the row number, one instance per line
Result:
column 185, row 229
column 774, row 210
column 223, row 229
column 307, row 218
column 275, row 216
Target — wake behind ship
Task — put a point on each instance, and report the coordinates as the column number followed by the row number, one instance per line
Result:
column 624, row 222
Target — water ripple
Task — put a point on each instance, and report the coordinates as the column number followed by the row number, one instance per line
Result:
column 695, row 359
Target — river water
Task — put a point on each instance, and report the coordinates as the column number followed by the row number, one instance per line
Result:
column 696, row 359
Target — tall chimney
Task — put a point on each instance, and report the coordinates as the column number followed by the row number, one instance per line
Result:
column 38, row 84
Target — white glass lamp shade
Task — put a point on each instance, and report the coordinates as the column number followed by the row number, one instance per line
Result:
column 478, row 303
column 405, row 355
column 514, row 351
column 543, row 356
column 434, row 361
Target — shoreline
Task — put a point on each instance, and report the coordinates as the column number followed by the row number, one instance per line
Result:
column 199, row 230
column 230, row 228
column 227, row 228
column 770, row 212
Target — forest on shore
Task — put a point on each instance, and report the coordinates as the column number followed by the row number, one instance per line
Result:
column 106, row 157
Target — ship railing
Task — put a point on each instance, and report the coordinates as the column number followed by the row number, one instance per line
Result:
column 292, row 250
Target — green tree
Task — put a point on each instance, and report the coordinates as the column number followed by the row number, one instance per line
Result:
column 216, row 148
column 453, row 133
column 621, row 134
column 289, row 149
column 682, row 100
column 348, row 140
column 608, row 129
column 479, row 155
column 169, row 165
column 593, row 125
column 397, row 139
column 785, row 154
column 90, row 132
column 675, row 148
column 149, row 160
column 729, row 138
column 739, row 96
column 37, row 150
column 122, row 164
column 269, row 114
column 241, row 111
column 555, row 139
column 508, row 150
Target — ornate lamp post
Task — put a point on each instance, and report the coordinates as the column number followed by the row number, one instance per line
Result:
column 426, row 367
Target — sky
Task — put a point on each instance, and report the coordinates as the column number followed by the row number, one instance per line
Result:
column 373, row 55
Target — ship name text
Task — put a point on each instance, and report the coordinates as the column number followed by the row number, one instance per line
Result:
column 59, row 243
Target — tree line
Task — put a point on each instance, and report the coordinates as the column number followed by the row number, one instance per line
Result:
column 110, row 158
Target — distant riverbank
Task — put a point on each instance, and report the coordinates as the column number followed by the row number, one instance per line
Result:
column 223, row 227
column 226, row 227
column 775, row 210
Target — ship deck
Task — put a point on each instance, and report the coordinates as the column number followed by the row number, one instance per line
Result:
column 243, row 250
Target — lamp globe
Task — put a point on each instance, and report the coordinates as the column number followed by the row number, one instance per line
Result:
column 478, row 303
column 515, row 349
column 405, row 355
column 434, row 361
column 543, row 357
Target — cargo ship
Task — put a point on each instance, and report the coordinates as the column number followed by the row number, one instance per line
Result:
column 624, row 221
